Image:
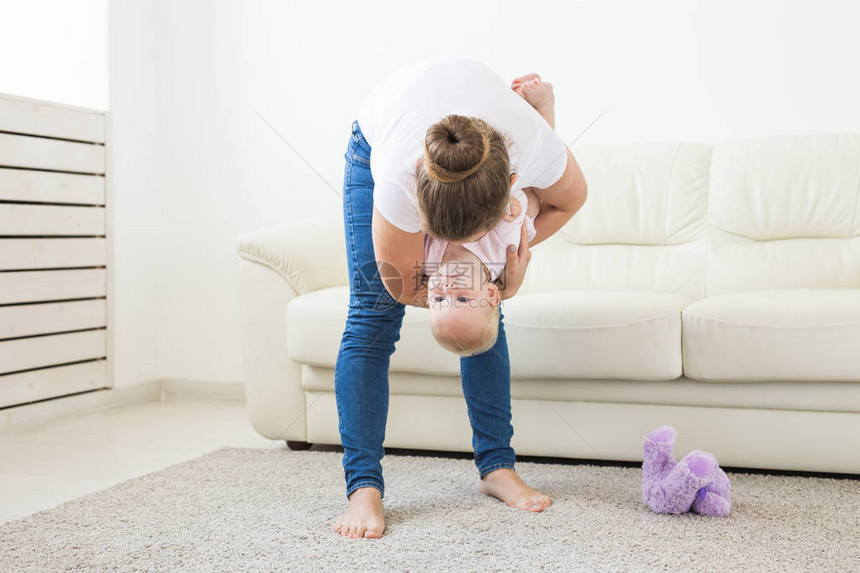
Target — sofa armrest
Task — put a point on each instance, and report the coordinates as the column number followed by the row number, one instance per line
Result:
column 309, row 254
column 277, row 264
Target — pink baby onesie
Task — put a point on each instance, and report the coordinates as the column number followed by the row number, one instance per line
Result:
column 490, row 248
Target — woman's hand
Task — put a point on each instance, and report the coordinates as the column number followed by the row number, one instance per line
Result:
column 518, row 261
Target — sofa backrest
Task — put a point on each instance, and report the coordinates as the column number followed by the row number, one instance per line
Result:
column 783, row 213
column 642, row 228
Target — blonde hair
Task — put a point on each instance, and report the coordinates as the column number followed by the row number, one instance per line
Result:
column 468, row 342
column 463, row 182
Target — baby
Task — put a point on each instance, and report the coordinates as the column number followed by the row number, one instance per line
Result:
column 462, row 280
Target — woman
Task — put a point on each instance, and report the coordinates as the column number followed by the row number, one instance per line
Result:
column 451, row 178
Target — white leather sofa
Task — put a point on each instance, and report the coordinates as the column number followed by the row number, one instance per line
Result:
column 714, row 288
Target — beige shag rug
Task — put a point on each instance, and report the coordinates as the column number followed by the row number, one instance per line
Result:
column 256, row 510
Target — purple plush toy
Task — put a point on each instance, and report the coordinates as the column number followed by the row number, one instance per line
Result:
column 695, row 483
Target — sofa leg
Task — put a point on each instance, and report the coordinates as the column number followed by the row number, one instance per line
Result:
column 298, row 446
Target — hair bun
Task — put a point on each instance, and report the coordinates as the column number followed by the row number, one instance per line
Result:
column 455, row 148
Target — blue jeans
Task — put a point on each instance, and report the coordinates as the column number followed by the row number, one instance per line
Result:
column 372, row 328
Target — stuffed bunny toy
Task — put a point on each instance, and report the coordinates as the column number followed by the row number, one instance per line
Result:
column 695, row 483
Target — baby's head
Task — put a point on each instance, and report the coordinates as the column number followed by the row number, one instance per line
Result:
column 464, row 307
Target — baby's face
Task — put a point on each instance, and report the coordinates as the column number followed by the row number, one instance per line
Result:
column 461, row 296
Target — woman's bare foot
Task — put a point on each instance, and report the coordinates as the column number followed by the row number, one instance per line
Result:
column 365, row 516
column 538, row 93
column 507, row 486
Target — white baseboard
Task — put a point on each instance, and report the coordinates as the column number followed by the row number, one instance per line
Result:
column 30, row 417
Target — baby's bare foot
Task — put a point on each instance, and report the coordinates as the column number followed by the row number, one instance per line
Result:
column 538, row 93
column 535, row 91
column 518, row 82
column 365, row 515
column 507, row 486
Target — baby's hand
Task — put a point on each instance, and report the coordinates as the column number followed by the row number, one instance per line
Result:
column 534, row 203
column 513, row 211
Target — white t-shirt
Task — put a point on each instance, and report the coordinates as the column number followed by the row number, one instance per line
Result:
column 395, row 117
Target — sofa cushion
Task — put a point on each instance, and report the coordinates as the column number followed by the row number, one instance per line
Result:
column 618, row 335
column 596, row 334
column 642, row 228
column 797, row 334
column 783, row 214
column 642, row 194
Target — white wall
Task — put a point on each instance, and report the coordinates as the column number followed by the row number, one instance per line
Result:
column 135, row 178
column 55, row 50
column 211, row 169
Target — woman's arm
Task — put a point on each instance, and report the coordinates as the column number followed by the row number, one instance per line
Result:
column 400, row 258
column 560, row 201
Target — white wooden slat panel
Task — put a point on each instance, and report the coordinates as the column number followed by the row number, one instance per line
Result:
column 32, row 286
column 45, row 318
column 25, row 353
column 51, row 220
column 54, row 154
column 48, row 187
column 19, row 254
column 22, row 115
column 52, row 162
column 52, row 382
